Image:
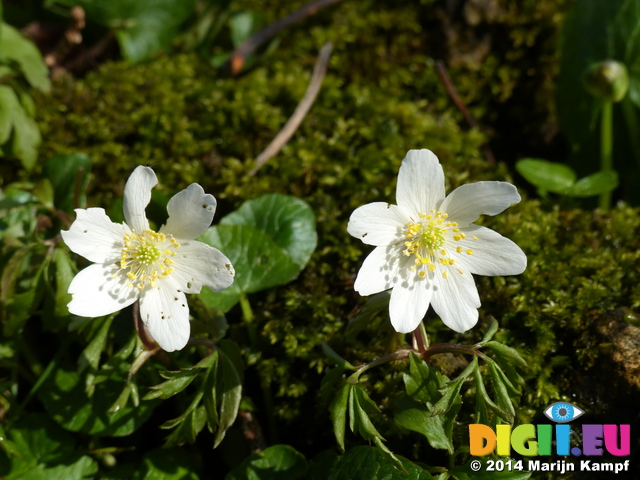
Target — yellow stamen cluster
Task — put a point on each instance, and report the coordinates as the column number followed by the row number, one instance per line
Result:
column 146, row 258
column 426, row 240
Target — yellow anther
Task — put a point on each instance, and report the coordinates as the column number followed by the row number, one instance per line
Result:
column 456, row 230
column 431, row 267
column 474, row 237
column 469, row 252
column 459, row 249
column 444, row 274
column 422, row 273
column 460, row 271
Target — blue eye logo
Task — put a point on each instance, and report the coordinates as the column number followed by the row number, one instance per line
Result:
column 562, row 412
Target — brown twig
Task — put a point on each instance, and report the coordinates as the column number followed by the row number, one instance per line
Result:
column 254, row 41
column 443, row 75
column 300, row 112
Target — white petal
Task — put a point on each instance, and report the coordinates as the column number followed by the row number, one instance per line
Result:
column 165, row 313
column 409, row 303
column 467, row 202
column 94, row 236
column 190, row 213
column 455, row 299
column 137, row 195
column 378, row 223
column 492, row 254
column 380, row 271
column 95, row 292
column 197, row 264
column 420, row 182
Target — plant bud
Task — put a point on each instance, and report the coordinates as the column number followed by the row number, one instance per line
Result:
column 608, row 80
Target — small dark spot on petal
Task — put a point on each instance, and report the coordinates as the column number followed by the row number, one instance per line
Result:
column 204, row 205
column 175, row 298
column 388, row 205
column 188, row 284
column 364, row 235
column 183, row 305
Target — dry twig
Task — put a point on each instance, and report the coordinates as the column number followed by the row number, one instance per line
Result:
column 300, row 112
column 441, row 69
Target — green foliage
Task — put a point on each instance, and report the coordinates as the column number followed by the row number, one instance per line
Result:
column 269, row 240
column 20, row 65
column 278, row 462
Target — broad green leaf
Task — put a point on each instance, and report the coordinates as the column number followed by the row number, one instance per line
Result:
column 550, row 176
column 594, row 184
column 65, row 398
column 278, row 462
column 18, row 128
column 143, row 27
column 338, row 411
column 368, row 463
column 289, row 221
column 18, row 49
column 69, row 176
column 258, row 261
column 43, row 191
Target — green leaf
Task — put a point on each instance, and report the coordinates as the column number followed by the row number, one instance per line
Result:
column 18, row 49
column 491, row 331
column 69, row 176
column 242, row 24
column 594, row 184
column 452, row 390
column 423, row 382
column 289, row 221
column 553, row 177
column 64, row 396
column 362, row 407
column 18, row 128
column 168, row 464
column 322, row 464
column 507, row 416
column 65, row 271
column 338, row 411
column 91, row 354
column 417, row 417
column 341, row 362
column 44, row 451
column 507, row 354
column 177, row 383
column 143, row 27
column 278, row 462
column 368, row 463
column 258, row 262
column 228, row 387
column 370, row 312
column 501, row 390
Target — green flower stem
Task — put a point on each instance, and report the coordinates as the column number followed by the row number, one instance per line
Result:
column 247, row 315
column 398, row 355
column 606, row 148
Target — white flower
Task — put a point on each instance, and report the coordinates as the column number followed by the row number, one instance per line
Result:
column 427, row 246
column 133, row 262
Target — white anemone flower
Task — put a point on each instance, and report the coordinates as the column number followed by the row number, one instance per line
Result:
column 133, row 262
column 427, row 246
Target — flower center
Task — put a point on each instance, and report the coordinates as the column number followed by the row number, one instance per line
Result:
column 146, row 258
column 426, row 240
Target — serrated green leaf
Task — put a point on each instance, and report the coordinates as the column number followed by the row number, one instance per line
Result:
column 594, row 184
column 340, row 362
column 550, row 176
column 278, row 462
column 417, row 417
column 501, row 390
column 491, row 331
column 508, row 354
column 362, row 407
column 507, row 416
column 452, row 390
column 64, row 397
column 422, row 383
column 173, row 386
column 91, row 354
column 228, row 388
column 338, row 410
column 368, row 463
